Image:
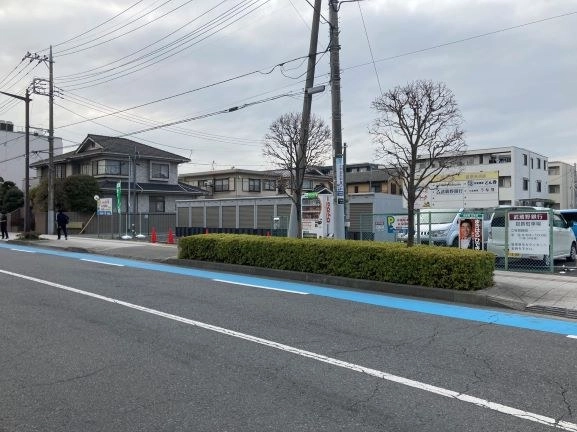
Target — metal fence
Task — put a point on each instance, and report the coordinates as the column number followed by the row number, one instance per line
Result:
column 115, row 225
column 522, row 238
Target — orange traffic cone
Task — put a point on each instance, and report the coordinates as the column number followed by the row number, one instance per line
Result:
column 153, row 235
column 170, row 237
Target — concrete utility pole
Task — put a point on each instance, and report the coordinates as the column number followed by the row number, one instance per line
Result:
column 306, row 115
column 338, row 165
column 50, row 204
column 50, row 224
column 27, row 100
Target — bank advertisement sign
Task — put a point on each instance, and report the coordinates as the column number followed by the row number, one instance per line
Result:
column 471, row 189
column 529, row 233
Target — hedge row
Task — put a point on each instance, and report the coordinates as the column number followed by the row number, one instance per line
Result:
column 438, row 267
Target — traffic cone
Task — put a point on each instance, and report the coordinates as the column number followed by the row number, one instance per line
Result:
column 170, row 237
column 153, row 235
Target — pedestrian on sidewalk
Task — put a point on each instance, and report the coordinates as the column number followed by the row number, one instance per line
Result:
column 4, row 225
column 61, row 222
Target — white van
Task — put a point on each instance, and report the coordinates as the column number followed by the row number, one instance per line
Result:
column 441, row 226
column 564, row 243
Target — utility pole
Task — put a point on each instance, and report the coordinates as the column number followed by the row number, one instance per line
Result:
column 50, row 224
column 50, row 62
column 27, row 100
column 338, row 165
column 300, row 156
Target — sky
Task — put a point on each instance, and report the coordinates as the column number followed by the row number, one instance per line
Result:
column 511, row 65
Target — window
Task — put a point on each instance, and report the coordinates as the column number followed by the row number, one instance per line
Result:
column 554, row 189
column 554, row 170
column 505, row 181
column 60, row 171
column 526, row 184
column 159, row 171
column 525, row 159
column 393, row 189
column 376, row 187
column 480, row 159
column 545, row 165
column 110, row 167
column 221, row 185
column 356, row 189
column 86, row 169
column 251, row 185
column 269, row 185
column 531, row 163
column 538, row 185
column 156, row 204
column 538, row 163
column 307, row 184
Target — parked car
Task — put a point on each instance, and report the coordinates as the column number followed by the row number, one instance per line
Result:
column 442, row 225
column 570, row 216
column 564, row 243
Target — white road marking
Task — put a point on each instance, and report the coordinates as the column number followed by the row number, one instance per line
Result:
column 22, row 250
column 483, row 403
column 102, row 262
column 261, row 286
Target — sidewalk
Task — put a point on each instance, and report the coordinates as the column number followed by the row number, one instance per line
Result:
column 550, row 294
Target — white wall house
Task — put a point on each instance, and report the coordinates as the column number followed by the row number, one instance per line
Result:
column 522, row 179
column 13, row 152
column 562, row 183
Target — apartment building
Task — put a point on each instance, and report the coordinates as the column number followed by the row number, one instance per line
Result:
column 491, row 177
column 562, row 185
column 13, row 155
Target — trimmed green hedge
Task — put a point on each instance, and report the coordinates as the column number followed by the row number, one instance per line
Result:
column 439, row 267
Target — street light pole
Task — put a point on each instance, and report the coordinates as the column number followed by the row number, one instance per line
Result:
column 27, row 100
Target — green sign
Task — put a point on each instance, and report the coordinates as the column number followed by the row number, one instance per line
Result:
column 311, row 195
column 118, row 195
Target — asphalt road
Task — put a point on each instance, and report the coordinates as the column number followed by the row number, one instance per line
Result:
column 89, row 346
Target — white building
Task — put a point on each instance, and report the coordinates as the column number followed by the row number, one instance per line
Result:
column 13, row 153
column 562, row 182
column 521, row 178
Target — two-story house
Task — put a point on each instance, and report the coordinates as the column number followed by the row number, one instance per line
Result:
column 150, row 174
column 237, row 183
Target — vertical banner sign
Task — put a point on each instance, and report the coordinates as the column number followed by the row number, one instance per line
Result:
column 340, row 179
column 118, row 195
column 529, row 233
column 471, row 231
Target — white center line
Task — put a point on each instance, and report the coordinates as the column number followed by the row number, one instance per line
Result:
column 260, row 286
column 483, row 403
column 102, row 262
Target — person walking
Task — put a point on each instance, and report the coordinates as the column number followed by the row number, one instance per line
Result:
column 61, row 222
column 4, row 225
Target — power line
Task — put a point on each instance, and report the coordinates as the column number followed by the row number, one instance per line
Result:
column 97, row 26
column 260, row 71
column 166, row 54
column 70, row 51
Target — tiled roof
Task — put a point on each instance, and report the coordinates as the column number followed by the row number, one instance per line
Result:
column 113, row 146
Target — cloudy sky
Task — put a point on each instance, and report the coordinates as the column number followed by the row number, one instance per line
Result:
column 511, row 65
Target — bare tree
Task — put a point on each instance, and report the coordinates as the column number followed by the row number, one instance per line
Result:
column 419, row 137
column 282, row 148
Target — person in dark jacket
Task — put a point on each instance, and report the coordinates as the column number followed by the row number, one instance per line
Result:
column 61, row 222
column 4, row 225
